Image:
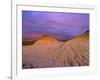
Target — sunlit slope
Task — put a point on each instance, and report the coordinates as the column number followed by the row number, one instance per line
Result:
column 74, row 52
column 46, row 40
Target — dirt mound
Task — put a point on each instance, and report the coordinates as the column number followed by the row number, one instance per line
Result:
column 45, row 40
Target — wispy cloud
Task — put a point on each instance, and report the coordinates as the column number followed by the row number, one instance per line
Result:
column 60, row 25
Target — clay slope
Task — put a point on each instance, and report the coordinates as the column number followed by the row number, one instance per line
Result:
column 74, row 52
column 46, row 40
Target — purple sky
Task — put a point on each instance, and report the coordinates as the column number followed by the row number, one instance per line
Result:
column 62, row 26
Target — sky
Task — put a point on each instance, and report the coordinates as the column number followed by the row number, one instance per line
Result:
column 61, row 25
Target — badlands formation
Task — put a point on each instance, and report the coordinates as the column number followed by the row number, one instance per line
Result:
column 48, row 52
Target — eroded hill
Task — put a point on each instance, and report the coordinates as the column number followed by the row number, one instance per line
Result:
column 48, row 52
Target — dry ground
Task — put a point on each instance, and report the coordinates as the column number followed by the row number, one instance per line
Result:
column 74, row 52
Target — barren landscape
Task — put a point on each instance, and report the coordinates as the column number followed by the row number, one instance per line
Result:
column 54, row 39
column 49, row 52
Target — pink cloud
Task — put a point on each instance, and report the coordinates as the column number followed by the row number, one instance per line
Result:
column 29, row 35
column 66, row 21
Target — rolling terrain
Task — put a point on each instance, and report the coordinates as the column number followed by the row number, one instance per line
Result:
column 49, row 52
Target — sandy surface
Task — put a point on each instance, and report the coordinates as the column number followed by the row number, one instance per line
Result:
column 74, row 52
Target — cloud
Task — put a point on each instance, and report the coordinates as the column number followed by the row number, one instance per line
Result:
column 60, row 25
column 32, row 36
